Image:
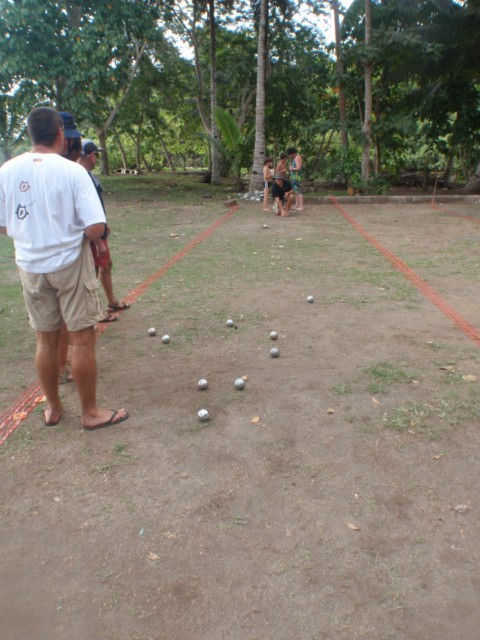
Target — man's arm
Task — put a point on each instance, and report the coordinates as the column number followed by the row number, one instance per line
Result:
column 298, row 163
column 95, row 231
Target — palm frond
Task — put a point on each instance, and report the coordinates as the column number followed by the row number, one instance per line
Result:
column 229, row 129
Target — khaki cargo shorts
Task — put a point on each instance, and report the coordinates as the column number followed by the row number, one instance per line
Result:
column 69, row 295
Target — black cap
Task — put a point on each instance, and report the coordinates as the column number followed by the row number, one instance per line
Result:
column 88, row 146
column 69, row 125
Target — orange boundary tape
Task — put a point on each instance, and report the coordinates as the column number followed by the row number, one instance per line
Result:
column 12, row 417
column 469, row 330
column 440, row 209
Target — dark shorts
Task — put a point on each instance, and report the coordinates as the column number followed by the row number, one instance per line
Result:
column 103, row 261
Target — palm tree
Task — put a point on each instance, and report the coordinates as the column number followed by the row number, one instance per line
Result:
column 215, row 177
column 256, row 178
column 367, row 121
column 340, row 71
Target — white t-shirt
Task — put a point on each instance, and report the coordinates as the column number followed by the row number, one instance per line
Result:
column 46, row 202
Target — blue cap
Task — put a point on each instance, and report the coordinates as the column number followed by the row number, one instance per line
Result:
column 88, row 146
column 69, row 125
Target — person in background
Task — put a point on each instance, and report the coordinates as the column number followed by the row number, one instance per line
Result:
column 281, row 168
column 100, row 250
column 282, row 193
column 267, row 178
column 48, row 205
column 296, row 175
column 72, row 148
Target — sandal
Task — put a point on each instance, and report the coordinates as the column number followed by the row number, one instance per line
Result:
column 114, row 419
column 118, row 306
column 108, row 317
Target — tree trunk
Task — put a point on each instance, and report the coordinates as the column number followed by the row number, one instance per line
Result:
column 102, row 138
column 378, row 159
column 341, row 88
column 148, row 167
column 215, row 139
column 138, row 151
column 367, row 122
column 167, row 153
column 256, row 178
column 448, row 168
column 473, row 184
column 121, row 147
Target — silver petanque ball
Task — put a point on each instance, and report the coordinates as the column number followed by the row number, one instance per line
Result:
column 265, row 226
column 239, row 383
column 273, row 335
column 230, row 323
column 274, row 352
column 203, row 415
column 310, row 298
column 152, row 331
column 166, row 339
column 202, row 384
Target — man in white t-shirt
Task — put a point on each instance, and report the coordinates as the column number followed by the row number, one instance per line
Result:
column 50, row 208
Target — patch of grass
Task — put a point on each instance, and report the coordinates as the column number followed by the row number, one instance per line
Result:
column 341, row 389
column 385, row 373
column 19, row 440
column 121, row 450
column 452, row 377
column 409, row 416
column 194, row 428
column 351, row 300
column 436, row 346
column 369, row 276
column 449, row 411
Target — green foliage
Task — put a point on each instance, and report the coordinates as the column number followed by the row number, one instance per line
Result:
column 236, row 142
column 81, row 57
column 231, row 133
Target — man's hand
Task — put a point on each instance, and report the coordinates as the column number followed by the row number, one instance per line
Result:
column 3, row 231
column 101, row 248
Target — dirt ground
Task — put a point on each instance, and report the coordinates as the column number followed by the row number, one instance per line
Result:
column 349, row 510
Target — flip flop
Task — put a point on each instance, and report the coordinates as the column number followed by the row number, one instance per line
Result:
column 112, row 421
column 51, row 423
column 108, row 318
column 121, row 306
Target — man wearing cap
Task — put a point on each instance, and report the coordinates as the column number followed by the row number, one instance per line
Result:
column 73, row 145
column 100, row 250
column 282, row 194
column 49, row 207
column 71, row 150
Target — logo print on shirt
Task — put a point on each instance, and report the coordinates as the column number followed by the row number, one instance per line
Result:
column 22, row 212
column 24, row 186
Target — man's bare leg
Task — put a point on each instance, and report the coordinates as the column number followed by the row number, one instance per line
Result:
column 105, row 275
column 299, row 204
column 84, row 368
column 286, row 211
column 265, row 200
column 64, row 371
column 46, row 361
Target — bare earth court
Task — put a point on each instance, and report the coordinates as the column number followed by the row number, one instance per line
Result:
column 334, row 498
